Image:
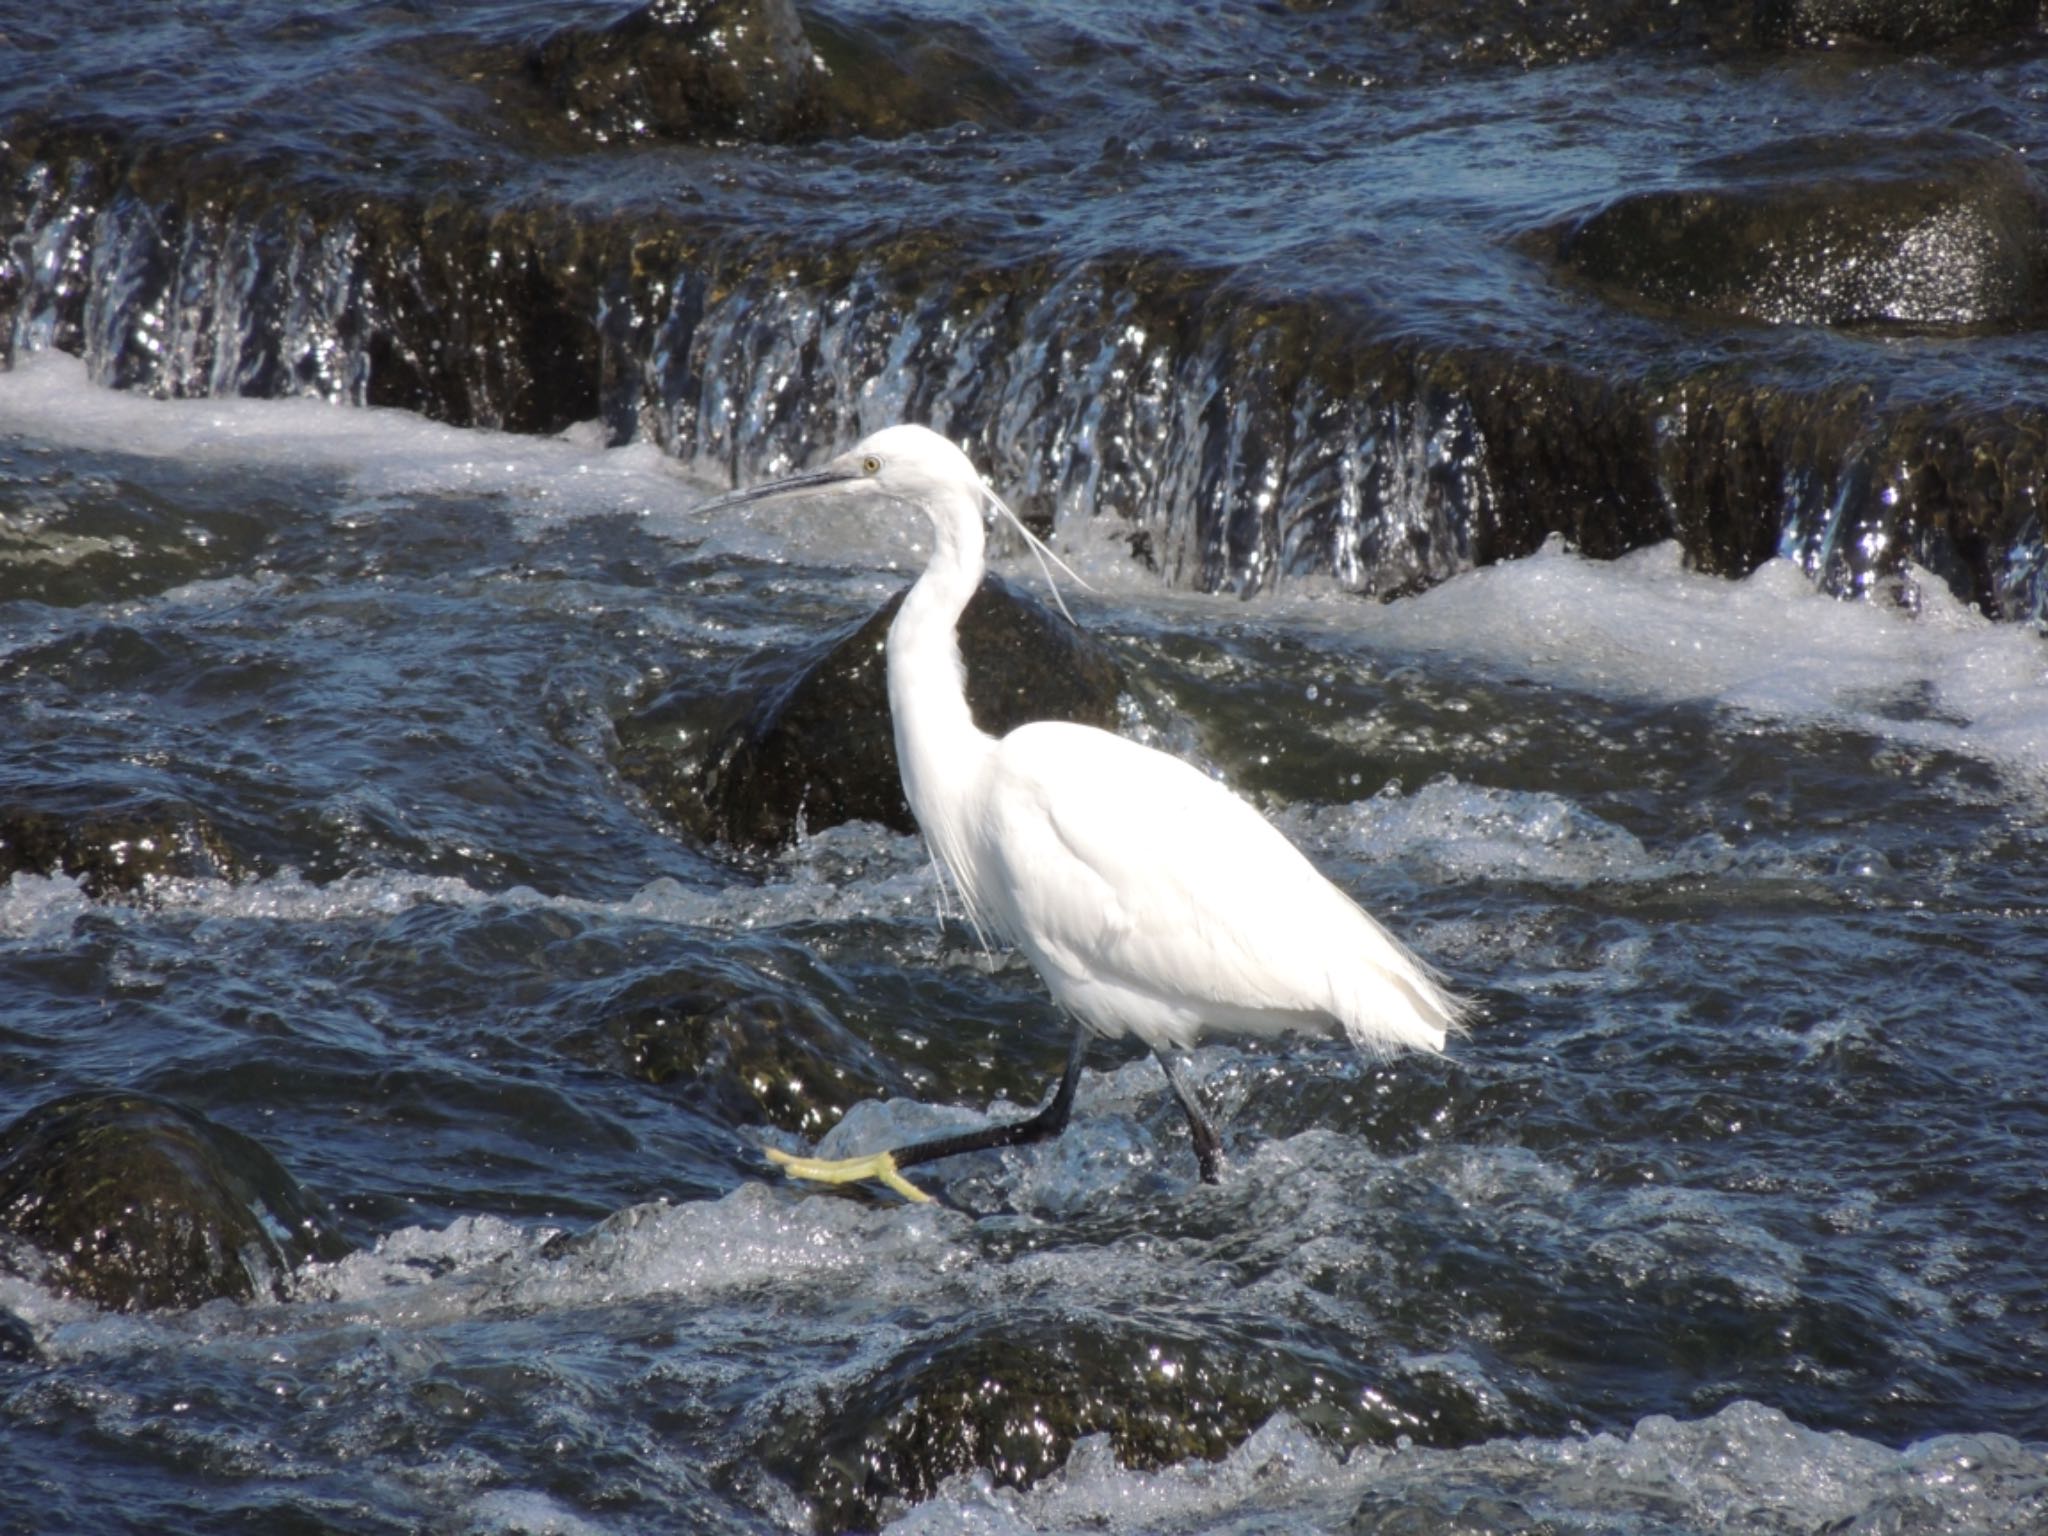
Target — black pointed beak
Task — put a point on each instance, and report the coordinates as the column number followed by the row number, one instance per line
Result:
column 788, row 485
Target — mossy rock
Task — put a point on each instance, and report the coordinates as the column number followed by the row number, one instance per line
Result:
column 756, row 71
column 736, row 68
column 1898, row 24
column 1012, row 1398
column 17, row 1340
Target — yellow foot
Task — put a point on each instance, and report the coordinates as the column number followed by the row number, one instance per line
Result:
column 880, row 1166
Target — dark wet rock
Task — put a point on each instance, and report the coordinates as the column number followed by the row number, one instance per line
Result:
column 233, row 284
column 743, row 1051
column 696, row 71
column 1011, row 1399
column 1936, row 231
column 1529, row 33
column 887, row 72
column 17, row 1340
column 136, row 1203
column 114, row 849
column 817, row 748
column 1755, row 472
column 686, row 70
column 483, row 317
column 1901, row 24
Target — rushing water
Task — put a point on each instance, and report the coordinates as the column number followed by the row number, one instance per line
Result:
column 1726, row 1216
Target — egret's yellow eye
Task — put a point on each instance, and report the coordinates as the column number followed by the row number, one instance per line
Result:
column 871, row 465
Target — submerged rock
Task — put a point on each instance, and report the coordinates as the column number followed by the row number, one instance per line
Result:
column 1011, row 1399
column 743, row 1052
column 1526, row 33
column 687, row 70
column 817, row 748
column 136, row 1203
column 887, row 73
column 1931, row 231
column 114, row 850
column 1458, row 1511
column 1902, row 24
column 697, row 71
column 17, row 1339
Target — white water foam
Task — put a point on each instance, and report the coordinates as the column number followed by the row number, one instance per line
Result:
column 1771, row 647
column 1746, row 1469
column 41, row 909
column 387, row 454
column 1926, row 671
column 848, row 873
column 48, row 397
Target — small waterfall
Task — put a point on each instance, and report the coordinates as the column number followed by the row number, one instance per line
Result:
column 1240, row 440
column 47, row 269
column 188, row 298
column 1231, row 465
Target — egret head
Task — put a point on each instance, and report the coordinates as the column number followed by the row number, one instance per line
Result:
column 915, row 467
column 911, row 465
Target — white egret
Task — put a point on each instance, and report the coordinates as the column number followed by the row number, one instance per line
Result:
column 1150, row 898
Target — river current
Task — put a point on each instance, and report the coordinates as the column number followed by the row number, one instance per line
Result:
column 1724, row 1217
column 366, row 370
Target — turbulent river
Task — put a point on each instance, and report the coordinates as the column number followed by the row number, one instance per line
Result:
column 1725, row 1216
column 355, row 427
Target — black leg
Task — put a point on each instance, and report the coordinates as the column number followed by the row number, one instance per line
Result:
column 1048, row 1122
column 1208, row 1145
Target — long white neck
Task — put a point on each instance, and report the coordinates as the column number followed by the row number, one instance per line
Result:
column 939, row 748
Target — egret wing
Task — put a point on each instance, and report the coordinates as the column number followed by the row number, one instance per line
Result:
column 1141, row 885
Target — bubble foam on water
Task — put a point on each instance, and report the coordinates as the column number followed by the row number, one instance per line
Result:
column 823, row 1264
column 382, row 452
column 1475, row 831
column 1770, row 646
column 41, row 908
column 850, row 873
column 756, row 1237
column 522, row 1512
column 388, row 453
column 1747, row 1469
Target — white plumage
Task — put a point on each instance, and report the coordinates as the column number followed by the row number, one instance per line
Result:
column 1157, row 903
column 1152, row 900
